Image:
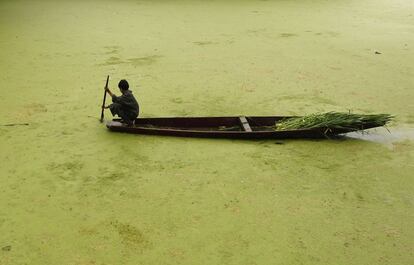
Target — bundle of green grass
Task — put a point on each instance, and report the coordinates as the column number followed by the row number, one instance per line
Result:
column 334, row 120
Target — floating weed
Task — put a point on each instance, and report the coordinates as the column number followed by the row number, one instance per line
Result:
column 131, row 236
column 144, row 60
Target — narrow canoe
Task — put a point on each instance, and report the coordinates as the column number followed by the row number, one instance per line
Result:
column 242, row 127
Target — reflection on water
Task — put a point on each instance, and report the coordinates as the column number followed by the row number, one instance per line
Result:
column 384, row 136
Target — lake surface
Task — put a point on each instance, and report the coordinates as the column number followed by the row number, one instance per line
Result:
column 71, row 192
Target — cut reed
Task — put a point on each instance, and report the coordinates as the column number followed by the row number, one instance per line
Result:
column 334, row 120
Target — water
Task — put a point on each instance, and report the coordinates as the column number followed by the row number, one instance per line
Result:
column 386, row 137
column 74, row 193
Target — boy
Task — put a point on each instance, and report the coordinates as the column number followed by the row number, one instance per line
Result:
column 125, row 106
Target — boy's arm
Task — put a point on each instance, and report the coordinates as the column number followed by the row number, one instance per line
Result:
column 109, row 91
column 113, row 96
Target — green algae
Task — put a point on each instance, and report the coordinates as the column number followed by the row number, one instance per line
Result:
column 73, row 193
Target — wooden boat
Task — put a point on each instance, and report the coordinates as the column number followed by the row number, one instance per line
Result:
column 242, row 127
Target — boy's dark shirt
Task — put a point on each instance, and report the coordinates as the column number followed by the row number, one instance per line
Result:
column 128, row 102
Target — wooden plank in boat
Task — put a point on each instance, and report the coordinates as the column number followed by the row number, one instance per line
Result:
column 245, row 124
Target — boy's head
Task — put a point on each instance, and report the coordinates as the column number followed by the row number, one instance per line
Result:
column 123, row 85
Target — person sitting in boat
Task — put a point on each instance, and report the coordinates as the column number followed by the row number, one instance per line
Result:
column 125, row 106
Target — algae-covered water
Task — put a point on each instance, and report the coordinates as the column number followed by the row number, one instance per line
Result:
column 72, row 192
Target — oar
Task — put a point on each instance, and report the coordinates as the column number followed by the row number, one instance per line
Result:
column 104, row 99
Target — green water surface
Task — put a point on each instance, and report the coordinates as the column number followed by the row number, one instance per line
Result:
column 71, row 192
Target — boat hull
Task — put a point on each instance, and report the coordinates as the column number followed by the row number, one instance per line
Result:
column 251, row 127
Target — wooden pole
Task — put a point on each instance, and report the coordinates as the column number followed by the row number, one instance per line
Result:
column 104, row 99
column 14, row 124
